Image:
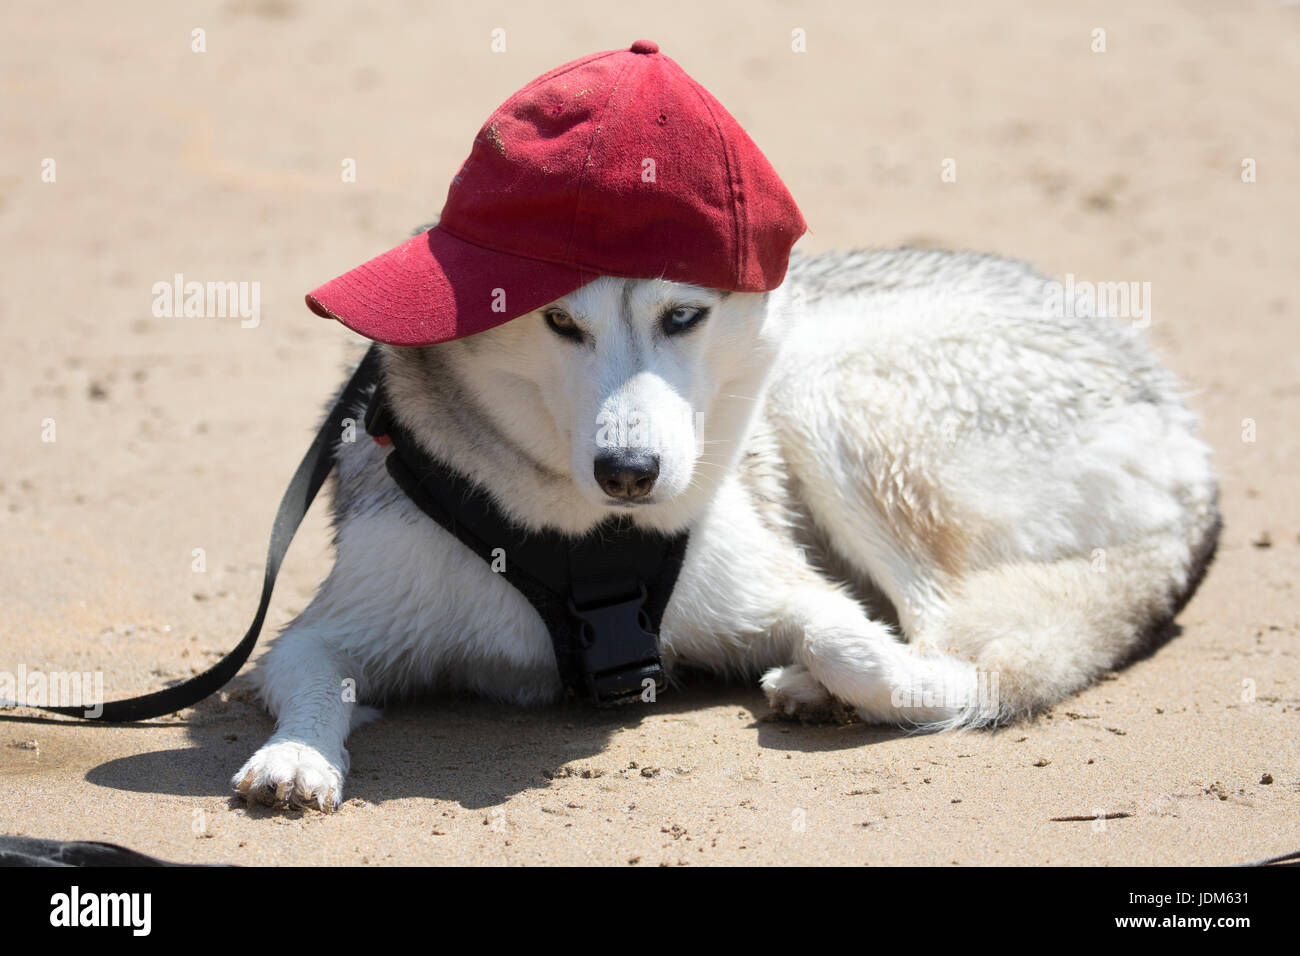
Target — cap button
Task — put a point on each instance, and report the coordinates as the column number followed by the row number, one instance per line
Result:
column 645, row 46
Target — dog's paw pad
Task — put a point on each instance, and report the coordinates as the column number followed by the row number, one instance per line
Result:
column 290, row 776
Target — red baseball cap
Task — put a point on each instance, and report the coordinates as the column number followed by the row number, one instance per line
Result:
column 615, row 164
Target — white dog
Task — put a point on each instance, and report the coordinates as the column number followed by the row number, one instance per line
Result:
column 910, row 491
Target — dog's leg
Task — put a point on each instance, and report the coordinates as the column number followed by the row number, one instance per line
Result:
column 845, row 656
column 312, row 690
column 746, row 579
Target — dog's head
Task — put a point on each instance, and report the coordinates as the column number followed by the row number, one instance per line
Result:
column 633, row 393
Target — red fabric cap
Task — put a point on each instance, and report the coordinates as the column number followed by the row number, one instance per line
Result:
column 616, row 164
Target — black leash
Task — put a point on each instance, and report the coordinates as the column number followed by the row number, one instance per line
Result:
column 37, row 851
column 1286, row 859
column 307, row 480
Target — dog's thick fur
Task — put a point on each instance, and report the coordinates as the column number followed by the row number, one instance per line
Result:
column 910, row 492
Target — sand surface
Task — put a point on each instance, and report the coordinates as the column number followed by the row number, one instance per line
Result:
column 176, row 434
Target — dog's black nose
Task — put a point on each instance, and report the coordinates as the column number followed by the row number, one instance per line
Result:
column 627, row 474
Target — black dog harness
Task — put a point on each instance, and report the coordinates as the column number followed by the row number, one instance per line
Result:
column 602, row 595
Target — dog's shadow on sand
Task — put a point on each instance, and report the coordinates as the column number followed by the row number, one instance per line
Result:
column 468, row 750
column 471, row 751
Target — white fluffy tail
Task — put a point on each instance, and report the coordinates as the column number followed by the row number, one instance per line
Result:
column 1034, row 633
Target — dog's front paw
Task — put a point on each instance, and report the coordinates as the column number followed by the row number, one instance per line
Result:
column 795, row 694
column 290, row 775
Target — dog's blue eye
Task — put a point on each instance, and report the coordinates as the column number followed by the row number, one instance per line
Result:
column 682, row 319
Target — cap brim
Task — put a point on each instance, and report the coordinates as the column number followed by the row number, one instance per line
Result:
column 435, row 288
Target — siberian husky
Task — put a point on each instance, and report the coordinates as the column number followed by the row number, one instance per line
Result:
column 914, row 492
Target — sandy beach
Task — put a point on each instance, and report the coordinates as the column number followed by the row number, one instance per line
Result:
column 144, row 455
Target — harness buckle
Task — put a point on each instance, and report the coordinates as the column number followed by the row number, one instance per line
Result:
column 617, row 651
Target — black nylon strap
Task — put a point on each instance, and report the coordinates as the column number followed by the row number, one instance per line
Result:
column 602, row 595
column 307, row 480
